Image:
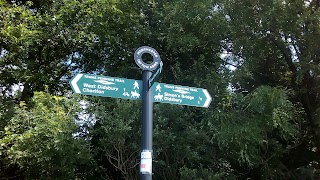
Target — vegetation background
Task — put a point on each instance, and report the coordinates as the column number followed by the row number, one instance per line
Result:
column 259, row 59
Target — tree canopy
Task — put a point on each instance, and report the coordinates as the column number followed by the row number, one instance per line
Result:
column 259, row 60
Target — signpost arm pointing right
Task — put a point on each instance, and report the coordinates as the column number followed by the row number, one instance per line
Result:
column 208, row 98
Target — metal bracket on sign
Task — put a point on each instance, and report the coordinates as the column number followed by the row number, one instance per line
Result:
column 155, row 74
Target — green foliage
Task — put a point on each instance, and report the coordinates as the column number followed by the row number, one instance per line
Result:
column 41, row 47
column 274, row 41
column 258, row 129
column 183, row 146
column 115, row 137
column 41, row 140
column 6, row 112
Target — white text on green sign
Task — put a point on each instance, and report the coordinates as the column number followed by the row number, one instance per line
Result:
column 106, row 86
column 183, row 95
column 115, row 87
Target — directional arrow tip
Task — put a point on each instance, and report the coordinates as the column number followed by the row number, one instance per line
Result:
column 208, row 98
column 74, row 81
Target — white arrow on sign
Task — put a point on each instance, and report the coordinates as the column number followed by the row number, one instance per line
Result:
column 209, row 98
column 74, row 83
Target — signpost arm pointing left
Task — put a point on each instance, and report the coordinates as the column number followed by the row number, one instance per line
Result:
column 74, row 83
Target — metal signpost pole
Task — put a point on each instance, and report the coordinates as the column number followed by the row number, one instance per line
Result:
column 147, row 125
column 147, row 108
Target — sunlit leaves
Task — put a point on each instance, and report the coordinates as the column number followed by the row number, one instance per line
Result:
column 253, row 132
column 41, row 140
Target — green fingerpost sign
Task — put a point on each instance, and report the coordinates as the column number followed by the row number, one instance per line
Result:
column 183, row 95
column 106, row 86
column 115, row 87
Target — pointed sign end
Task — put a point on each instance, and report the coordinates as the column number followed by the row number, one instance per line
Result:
column 74, row 81
column 208, row 98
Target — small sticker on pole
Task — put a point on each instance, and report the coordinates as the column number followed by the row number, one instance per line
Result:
column 146, row 162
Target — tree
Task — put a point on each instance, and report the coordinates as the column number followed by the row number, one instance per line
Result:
column 273, row 43
column 42, row 43
column 259, row 60
column 41, row 142
column 115, row 138
column 256, row 132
